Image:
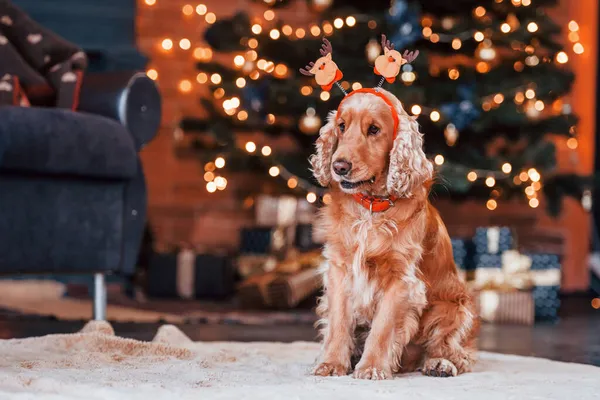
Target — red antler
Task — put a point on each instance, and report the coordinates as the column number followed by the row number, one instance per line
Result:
column 386, row 43
column 306, row 70
column 326, row 47
column 410, row 56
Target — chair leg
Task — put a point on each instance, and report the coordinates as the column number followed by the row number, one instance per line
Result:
column 99, row 297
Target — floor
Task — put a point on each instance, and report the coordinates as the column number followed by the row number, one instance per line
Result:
column 574, row 338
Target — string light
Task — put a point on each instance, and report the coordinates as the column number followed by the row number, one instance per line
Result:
column 315, row 30
column 479, row 11
column 270, row 119
column 416, row 109
column 435, row 116
column 338, row 23
column 472, row 176
column 478, row 36
column 482, row 67
column 250, row 147
column 242, row 115
column 573, row 26
column 185, row 86
column 185, row 44
column 530, row 93
column 439, row 159
column 356, row 86
column 453, row 74
column 534, row 202
column 211, row 187
column 274, row 171
column 240, row 82
column 311, row 197
column 269, row 15
column 210, row 18
column 209, row 176
column 325, row 96
column 539, row 105
column 491, row 204
column 498, row 98
column 327, row 198
column 490, row 181
column 201, row 9
column 572, row 143
column 253, row 43
column 300, row 33
column 573, row 36
column 256, row 29
column 287, row 30
column 274, row 34
column 562, row 57
column 150, row 2
column 327, row 28
column 350, row 21
column 209, row 166
column 219, row 162
column 578, row 48
column 526, row 3
column 266, row 151
column 187, row 10
column 239, row 60
column 152, row 74
column 221, row 182
column 505, row 27
column 167, row 44
column 506, row 168
column 215, row 78
column 519, row 98
column 532, row 27
column 456, row 43
column 292, row 183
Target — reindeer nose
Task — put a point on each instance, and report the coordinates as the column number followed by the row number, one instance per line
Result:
column 342, row 167
column 322, row 67
column 391, row 59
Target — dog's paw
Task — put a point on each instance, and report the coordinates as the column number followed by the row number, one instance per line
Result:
column 439, row 367
column 330, row 369
column 372, row 372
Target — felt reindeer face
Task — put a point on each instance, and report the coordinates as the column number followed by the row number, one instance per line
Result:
column 391, row 61
column 325, row 71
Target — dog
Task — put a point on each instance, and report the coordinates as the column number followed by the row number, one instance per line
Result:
column 393, row 301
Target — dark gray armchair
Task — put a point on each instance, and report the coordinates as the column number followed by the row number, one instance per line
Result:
column 72, row 187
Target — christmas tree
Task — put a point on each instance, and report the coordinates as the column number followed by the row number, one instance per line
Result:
column 490, row 85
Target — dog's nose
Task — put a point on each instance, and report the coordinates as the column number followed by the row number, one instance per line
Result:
column 342, row 167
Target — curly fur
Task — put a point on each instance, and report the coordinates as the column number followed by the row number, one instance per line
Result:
column 393, row 301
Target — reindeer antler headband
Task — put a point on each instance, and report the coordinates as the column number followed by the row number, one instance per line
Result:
column 388, row 65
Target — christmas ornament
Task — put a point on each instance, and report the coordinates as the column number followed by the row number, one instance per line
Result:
column 325, row 71
column 389, row 63
column 451, row 134
column 310, row 122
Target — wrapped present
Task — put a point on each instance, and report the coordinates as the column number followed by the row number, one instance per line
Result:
column 514, row 272
column 265, row 240
column 546, row 302
column 304, row 239
column 510, row 307
column 493, row 240
column 187, row 275
column 462, row 259
column 275, row 210
column 288, row 290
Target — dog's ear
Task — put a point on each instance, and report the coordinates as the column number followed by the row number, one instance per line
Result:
column 409, row 167
column 326, row 145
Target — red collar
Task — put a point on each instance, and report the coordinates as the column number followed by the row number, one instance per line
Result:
column 373, row 203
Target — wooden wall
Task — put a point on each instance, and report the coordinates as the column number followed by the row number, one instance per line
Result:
column 181, row 210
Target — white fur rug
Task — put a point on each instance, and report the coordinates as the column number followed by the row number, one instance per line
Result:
column 95, row 364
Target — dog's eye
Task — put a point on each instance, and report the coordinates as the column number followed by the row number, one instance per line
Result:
column 373, row 130
column 342, row 127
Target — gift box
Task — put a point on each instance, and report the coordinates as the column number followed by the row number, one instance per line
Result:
column 509, row 307
column 264, row 240
column 461, row 251
column 546, row 302
column 275, row 210
column 536, row 274
column 493, row 240
column 187, row 275
column 304, row 239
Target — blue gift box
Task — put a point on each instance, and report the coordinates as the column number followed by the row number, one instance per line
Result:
column 486, row 260
column 493, row 240
column 460, row 251
column 546, row 302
